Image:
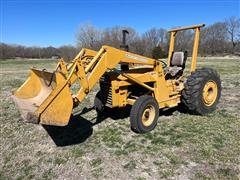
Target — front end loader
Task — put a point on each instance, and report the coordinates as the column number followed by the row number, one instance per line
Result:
column 146, row 85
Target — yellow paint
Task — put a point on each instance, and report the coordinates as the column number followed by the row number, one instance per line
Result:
column 195, row 49
column 210, row 92
column 171, row 47
column 30, row 88
column 148, row 115
column 187, row 28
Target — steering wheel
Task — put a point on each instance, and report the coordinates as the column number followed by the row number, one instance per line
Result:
column 164, row 64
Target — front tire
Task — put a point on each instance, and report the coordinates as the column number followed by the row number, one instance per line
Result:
column 98, row 103
column 144, row 114
column 202, row 91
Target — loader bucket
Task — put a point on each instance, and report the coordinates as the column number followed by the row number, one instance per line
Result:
column 44, row 98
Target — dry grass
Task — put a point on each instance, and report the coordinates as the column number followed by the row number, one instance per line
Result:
column 182, row 146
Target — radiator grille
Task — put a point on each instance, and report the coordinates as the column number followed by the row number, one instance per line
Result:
column 106, row 92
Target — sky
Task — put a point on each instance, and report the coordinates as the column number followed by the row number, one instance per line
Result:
column 56, row 22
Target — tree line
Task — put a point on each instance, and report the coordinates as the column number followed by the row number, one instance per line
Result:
column 18, row 51
column 220, row 38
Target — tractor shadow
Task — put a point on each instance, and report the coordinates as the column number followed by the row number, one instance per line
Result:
column 170, row 111
column 80, row 129
column 77, row 131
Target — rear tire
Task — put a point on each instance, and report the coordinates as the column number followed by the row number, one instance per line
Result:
column 202, row 91
column 144, row 114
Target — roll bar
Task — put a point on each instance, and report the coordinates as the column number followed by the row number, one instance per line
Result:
column 173, row 33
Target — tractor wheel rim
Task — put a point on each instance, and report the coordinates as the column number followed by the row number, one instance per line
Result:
column 210, row 92
column 148, row 115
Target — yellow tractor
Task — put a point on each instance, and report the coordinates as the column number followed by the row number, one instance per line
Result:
column 147, row 85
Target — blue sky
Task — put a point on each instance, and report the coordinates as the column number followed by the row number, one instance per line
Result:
column 56, row 22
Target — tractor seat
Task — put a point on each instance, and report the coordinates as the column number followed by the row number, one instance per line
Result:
column 177, row 64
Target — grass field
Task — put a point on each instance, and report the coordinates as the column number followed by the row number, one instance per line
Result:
column 182, row 146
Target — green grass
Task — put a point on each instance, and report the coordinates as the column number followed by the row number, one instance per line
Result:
column 181, row 146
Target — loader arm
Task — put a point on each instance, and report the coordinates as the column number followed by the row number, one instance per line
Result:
column 46, row 97
column 107, row 59
column 85, row 55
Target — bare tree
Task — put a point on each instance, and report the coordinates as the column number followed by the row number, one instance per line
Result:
column 153, row 38
column 213, row 39
column 67, row 52
column 113, row 37
column 3, row 51
column 233, row 29
column 89, row 37
column 184, row 41
column 138, row 46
